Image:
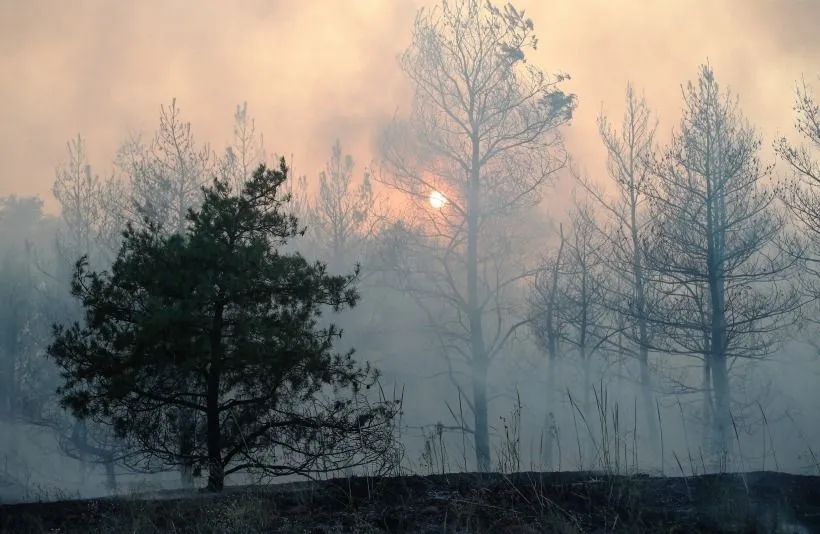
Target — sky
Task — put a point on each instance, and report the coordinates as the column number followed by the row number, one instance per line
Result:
column 315, row 70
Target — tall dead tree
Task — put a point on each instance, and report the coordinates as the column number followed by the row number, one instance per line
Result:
column 245, row 152
column 802, row 191
column 714, row 252
column 629, row 152
column 341, row 214
column 546, row 326
column 91, row 223
column 482, row 136
column 79, row 192
column 166, row 174
column 581, row 292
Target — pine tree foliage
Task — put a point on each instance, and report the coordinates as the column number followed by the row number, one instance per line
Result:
column 219, row 321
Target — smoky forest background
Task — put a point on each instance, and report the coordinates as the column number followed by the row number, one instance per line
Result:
column 463, row 292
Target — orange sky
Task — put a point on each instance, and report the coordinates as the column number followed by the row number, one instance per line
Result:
column 315, row 70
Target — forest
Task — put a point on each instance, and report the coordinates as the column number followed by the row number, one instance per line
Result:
column 471, row 300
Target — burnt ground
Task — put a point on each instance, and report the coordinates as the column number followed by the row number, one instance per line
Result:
column 454, row 503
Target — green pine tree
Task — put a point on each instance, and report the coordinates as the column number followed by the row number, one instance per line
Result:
column 221, row 322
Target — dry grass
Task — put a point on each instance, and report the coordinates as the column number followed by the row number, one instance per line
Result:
column 456, row 503
column 613, row 498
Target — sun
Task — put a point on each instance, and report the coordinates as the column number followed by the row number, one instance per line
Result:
column 437, row 200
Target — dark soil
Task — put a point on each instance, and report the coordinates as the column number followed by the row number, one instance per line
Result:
column 455, row 503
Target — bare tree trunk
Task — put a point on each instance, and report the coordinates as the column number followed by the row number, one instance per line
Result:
column 110, row 474
column 550, row 428
column 648, row 399
column 482, row 432
column 479, row 353
column 706, row 413
column 716, row 246
column 643, row 353
column 216, row 473
column 7, row 378
column 551, row 333
column 79, row 436
column 186, row 448
column 639, row 278
column 723, row 417
column 586, row 408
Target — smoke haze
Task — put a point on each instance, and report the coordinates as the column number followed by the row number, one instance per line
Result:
column 314, row 71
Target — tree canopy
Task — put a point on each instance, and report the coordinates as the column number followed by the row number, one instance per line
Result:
column 219, row 321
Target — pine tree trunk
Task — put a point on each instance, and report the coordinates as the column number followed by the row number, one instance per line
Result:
column 216, row 472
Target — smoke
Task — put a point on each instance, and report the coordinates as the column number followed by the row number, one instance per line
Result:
column 314, row 71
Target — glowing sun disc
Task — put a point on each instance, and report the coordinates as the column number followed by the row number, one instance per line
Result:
column 437, row 200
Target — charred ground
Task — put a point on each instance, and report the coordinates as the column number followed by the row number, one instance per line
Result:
column 522, row 502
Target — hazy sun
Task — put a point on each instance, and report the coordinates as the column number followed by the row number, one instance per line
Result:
column 437, row 200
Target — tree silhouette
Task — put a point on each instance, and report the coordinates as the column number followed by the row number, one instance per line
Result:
column 219, row 322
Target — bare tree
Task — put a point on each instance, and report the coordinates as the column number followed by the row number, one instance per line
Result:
column 78, row 191
column 629, row 160
column 342, row 214
column 246, row 151
column 166, row 175
column 714, row 249
column 546, row 326
column 802, row 192
column 296, row 188
column 21, row 304
column 581, row 294
column 480, row 142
